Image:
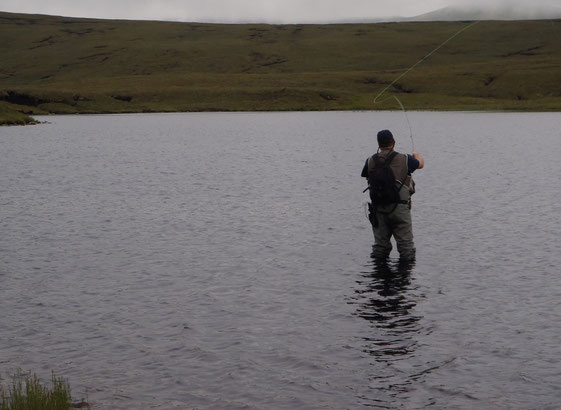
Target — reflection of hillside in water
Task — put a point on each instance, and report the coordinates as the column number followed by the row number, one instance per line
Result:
column 384, row 299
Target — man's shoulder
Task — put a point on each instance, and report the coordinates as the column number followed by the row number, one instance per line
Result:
column 412, row 163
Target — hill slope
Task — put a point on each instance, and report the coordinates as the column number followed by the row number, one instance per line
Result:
column 68, row 65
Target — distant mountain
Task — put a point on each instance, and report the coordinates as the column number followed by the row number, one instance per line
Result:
column 502, row 12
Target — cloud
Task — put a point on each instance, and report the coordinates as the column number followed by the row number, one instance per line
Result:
column 271, row 11
column 224, row 10
column 514, row 9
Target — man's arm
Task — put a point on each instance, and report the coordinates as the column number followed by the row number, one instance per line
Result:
column 419, row 158
column 364, row 172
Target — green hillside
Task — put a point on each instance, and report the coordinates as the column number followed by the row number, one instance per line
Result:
column 67, row 65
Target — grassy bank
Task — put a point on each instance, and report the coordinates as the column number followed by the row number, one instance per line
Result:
column 26, row 392
column 67, row 65
column 14, row 115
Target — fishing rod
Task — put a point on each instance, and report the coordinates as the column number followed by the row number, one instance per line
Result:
column 403, row 75
column 408, row 123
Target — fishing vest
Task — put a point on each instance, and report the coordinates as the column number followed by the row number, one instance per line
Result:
column 398, row 165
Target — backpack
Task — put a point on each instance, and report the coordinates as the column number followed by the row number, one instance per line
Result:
column 382, row 183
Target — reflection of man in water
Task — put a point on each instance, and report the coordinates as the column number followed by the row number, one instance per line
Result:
column 385, row 300
column 394, row 219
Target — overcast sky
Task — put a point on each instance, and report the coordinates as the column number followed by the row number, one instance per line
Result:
column 268, row 11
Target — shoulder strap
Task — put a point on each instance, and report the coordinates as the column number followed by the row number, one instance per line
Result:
column 390, row 157
column 379, row 160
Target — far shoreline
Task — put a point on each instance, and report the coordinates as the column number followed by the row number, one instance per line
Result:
column 58, row 65
column 42, row 118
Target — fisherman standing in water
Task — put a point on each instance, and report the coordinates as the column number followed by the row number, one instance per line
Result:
column 391, row 186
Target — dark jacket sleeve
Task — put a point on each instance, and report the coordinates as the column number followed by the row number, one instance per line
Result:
column 412, row 164
column 364, row 173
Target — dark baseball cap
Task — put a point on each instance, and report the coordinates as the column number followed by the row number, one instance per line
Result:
column 385, row 138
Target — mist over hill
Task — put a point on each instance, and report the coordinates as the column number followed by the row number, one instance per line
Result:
column 527, row 11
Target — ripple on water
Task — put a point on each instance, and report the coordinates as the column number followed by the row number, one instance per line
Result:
column 223, row 261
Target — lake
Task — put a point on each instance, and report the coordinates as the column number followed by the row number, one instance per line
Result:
column 222, row 261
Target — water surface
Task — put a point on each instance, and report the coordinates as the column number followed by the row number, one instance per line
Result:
column 223, row 261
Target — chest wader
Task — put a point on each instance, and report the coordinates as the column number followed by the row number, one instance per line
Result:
column 394, row 219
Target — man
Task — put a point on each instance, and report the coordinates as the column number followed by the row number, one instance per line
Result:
column 393, row 219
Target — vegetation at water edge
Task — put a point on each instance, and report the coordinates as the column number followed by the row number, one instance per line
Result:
column 28, row 393
column 71, row 65
column 12, row 116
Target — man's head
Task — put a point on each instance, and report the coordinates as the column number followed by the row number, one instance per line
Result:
column 385, row 139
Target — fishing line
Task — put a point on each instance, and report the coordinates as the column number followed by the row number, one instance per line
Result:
column 424, row 58
column 411, row 68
